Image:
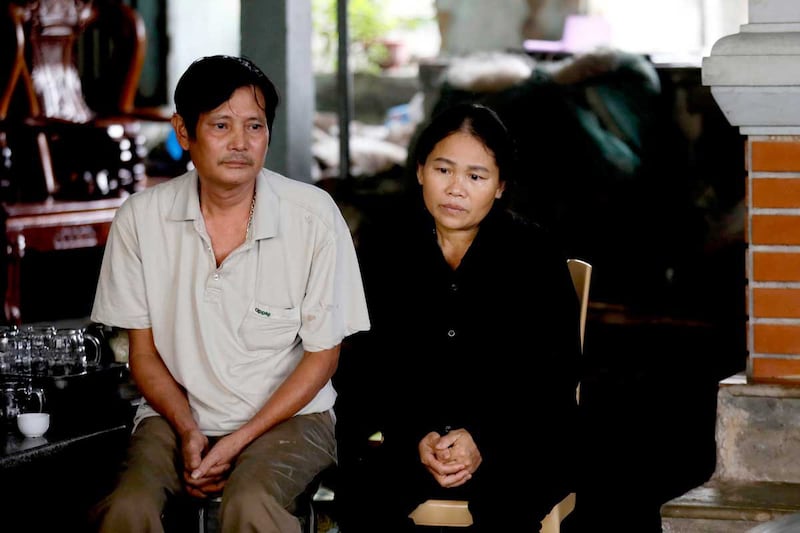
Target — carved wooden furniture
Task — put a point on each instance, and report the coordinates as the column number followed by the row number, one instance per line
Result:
column 57, row 139
column 70, row 142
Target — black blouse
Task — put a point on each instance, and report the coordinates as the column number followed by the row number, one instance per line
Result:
column 491, row 346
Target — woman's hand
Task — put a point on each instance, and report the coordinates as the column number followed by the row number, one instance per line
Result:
column 452, row 458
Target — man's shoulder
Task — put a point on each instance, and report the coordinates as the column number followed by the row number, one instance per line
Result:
column 303, row 197
column 296, row 191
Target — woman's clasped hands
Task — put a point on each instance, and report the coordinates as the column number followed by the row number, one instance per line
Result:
column 451, row 458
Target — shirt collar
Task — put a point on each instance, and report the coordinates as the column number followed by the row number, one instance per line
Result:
column 186, row 205
column 267, row 212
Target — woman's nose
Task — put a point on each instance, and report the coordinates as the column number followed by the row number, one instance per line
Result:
column 456, row 186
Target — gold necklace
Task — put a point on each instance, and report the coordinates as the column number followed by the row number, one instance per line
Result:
column 250, row 217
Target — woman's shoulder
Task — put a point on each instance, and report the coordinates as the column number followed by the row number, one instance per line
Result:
column 525, row 242
column 518, row 228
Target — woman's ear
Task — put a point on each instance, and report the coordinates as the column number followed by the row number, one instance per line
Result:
column 419, row 174
column 500, row 190
column 180, row 130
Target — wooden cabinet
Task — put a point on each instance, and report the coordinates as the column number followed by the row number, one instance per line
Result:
column 50, row 226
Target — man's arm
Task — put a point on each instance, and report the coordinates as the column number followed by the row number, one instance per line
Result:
column 299, row 388
column 168, row 398
column 156, row 383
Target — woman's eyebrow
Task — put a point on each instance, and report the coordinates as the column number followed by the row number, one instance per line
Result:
column 441, row 159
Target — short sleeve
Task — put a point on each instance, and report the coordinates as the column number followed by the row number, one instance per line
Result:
column 121, row 299
column 334, row 305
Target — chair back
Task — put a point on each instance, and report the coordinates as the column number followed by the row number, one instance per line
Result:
column 581, row 273
column 65, row 131
column 46, row 37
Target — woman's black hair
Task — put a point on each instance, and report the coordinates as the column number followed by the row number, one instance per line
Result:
column 479, row 121
column 210, row 81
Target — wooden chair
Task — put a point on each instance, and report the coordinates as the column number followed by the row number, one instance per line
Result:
column 581, row 273
column 75, row 149
column 455, row 513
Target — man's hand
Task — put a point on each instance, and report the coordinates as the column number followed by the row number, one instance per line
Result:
column 200, row 481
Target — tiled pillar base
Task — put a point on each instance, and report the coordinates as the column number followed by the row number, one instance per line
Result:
column 757, row 478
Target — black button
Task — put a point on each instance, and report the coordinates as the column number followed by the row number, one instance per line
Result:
column 451, row 333
column 454, row 287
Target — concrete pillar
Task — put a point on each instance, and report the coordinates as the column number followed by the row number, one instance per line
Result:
column 276, row 35
column 755, row 78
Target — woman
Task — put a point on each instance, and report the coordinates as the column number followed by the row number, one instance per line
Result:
column 473, row 348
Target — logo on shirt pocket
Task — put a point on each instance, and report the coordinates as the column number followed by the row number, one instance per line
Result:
column 270, row 327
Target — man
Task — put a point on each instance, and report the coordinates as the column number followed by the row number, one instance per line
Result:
column 237, row 286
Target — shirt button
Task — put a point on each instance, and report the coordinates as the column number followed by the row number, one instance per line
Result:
column 451, row 333
column 216, row 277
column 454, row 287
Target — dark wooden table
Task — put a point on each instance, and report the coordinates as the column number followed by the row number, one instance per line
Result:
column 49, row 483
column 49, row 226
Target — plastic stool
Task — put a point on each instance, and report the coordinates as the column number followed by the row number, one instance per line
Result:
column 208, row 515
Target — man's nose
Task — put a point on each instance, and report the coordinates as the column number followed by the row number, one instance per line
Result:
column 237, row 138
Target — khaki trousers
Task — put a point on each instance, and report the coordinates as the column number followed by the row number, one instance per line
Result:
column 259, row 494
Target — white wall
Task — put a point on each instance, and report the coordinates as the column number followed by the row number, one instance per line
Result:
column 199, row 28
column 670, row 28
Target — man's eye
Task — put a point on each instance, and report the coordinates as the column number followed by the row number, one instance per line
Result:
column 256, row 127
column 219, row 126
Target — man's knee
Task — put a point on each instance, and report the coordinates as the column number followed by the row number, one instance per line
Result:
column 129, row 509
column 256, row 510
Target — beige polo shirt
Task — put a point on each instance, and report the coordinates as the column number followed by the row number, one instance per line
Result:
column 231, row 335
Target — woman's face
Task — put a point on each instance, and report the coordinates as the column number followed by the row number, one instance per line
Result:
column 460, row 182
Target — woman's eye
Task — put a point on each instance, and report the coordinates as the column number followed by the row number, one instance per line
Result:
column 219, row 125
column 256, row 127
column 476, row 177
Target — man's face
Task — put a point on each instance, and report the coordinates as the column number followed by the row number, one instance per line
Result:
column 231, row 141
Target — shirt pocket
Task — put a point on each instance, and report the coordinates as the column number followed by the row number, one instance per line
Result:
column 268, row 327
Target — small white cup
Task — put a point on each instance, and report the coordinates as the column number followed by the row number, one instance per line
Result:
column 33, row 424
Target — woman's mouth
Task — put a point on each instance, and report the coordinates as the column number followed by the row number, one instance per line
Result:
column 453, row 208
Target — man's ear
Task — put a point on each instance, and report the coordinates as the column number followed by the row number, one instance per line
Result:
column 180, row 130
